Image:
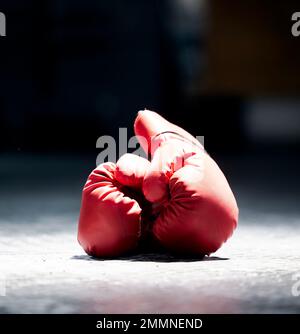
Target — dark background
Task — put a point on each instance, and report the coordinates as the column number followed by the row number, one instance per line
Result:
column 71, row 71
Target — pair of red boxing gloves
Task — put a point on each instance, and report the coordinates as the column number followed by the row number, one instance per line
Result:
column 180, row 200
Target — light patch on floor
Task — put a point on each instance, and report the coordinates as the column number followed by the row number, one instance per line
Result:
column 47, row 272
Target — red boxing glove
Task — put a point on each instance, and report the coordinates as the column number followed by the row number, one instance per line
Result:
column 199, row 211
column 112, row 201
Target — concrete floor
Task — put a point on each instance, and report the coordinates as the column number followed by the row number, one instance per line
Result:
column 43, row 269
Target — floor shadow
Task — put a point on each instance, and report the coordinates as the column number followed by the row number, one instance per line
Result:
column 152, row 257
